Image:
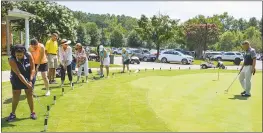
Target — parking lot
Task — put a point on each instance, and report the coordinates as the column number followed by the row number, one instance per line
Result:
column 151, row 65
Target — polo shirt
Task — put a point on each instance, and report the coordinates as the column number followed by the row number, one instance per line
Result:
column 52, row 47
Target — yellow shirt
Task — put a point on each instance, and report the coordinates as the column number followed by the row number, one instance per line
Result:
column 52, row 47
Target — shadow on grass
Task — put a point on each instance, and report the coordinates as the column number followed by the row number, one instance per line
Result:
column 38, row 84
column 238, row 97
column 9, row 124
column 9, row 100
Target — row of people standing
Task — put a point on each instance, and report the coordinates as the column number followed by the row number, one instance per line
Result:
column 25, row 65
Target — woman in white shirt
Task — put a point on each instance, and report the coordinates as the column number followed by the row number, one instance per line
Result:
column 65, row 58
column 82, row 61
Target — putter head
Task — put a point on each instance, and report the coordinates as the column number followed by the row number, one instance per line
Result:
column 226, row 91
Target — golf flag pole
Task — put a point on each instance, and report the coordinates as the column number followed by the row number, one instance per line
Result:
column 218, row 74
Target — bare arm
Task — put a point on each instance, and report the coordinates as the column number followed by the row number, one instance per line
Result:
column 47, row 47
column 254, row 63
column 32, row 67
column 17, row 72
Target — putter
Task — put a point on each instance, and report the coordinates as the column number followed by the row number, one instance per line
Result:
column 226, row 91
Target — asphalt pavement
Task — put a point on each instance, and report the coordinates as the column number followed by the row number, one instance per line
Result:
column 148, row 65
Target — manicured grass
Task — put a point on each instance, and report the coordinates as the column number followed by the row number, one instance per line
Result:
column 5, row 64
column 178, row 100
column 92, row 64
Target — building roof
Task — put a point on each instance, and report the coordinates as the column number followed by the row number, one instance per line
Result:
column 18, row 14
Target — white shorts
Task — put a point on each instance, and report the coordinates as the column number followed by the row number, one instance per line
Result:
column 86, row 69
column 106, row 62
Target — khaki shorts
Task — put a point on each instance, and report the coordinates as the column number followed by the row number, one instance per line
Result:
column 52, row 61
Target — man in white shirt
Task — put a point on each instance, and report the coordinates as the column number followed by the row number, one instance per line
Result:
column 65, row 59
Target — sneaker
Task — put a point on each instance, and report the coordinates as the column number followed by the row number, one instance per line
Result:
column 11, row 117
column 244, row 92
column 246, row 95
column 101, row 76
column 87, row 81
column 48, row 93
column 54, row 82
column 33, row 116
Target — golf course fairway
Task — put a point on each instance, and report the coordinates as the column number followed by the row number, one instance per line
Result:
column 177, row 100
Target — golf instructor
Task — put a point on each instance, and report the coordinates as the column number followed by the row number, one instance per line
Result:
column 247, row 69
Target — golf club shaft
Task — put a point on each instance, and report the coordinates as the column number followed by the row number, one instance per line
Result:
column 232, row 82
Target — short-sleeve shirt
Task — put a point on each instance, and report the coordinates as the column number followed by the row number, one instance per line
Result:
column 81, row 57
column 125, row 56
column 52, row 47
column 249, row 55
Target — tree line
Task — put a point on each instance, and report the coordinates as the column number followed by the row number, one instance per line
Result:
column 221, row 32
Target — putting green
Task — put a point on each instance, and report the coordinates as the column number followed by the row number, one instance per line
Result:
column 196, row 102
column 148, row 101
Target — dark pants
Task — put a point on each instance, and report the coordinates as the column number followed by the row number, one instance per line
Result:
column 63, row 73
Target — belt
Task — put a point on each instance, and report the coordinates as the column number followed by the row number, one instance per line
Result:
column 51, row 54
column 247, row 65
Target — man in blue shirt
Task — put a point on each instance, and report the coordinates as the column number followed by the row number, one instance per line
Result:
column 247, row 69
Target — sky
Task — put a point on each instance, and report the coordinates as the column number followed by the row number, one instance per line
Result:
column 182, row 10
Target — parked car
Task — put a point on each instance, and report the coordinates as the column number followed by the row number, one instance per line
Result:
column 232, row 56
column 144, row 55
column 175, row 56
column 259, row 57
column 215, row 55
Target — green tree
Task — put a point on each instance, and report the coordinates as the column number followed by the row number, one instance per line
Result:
column 227, row 41
column 117, row 39
column 5, row 7
column 201, row 36
column 50, row 17
column 158, row 29
column 253, row 22
column 260, row 26
column 253, row 35
column 251, row 31
column 134, row 40
column 82, row 36
column 94, row 33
